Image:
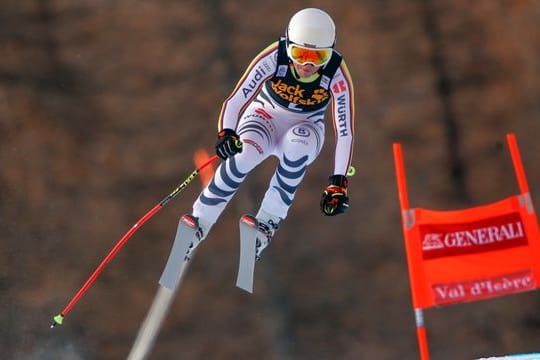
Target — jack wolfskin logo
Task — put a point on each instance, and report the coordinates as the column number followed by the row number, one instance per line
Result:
column 297, row 95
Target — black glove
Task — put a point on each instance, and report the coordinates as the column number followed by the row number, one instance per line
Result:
column 228, row 144
column 334, row 199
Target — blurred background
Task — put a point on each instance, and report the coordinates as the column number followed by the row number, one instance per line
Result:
column 103, row 104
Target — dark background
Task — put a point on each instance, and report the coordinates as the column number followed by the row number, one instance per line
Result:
column 103, row 103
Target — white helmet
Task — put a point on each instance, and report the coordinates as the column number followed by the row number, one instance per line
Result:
column 312, row 28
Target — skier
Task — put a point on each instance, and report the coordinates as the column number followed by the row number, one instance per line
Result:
column 277, row 108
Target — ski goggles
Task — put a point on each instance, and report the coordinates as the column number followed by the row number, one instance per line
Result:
column 302, row 55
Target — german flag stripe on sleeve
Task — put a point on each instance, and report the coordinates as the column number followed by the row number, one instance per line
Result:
column 348, row 79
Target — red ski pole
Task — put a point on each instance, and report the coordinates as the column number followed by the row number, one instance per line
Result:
column 58, row 319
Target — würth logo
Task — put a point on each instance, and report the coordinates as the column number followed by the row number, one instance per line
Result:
column 458, row 239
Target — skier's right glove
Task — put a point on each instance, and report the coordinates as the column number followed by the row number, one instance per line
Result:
column 228, row 144
column 334, row 199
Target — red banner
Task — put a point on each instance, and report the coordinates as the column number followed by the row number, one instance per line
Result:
column 471, row 254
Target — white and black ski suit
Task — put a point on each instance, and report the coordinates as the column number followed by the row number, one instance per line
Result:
column 276, row 113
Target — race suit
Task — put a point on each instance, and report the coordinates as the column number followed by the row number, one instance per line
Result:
column 277, row 113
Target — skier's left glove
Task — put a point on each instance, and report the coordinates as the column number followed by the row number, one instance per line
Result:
column 334, row 199
column 228, row 144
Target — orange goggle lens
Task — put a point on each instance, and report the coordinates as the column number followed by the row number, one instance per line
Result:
column 303, row 55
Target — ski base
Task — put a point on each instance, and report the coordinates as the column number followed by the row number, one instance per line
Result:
column 248, row 240
column 185, row 242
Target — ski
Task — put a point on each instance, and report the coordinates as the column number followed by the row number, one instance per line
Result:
column 248, row 240
column 185, row 242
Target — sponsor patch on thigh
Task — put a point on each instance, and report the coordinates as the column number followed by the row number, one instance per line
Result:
column 301, row 131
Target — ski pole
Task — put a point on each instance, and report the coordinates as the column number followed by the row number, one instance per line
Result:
column 58, row 319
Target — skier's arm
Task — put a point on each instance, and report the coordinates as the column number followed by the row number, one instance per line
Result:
column 334, row 199
column 261, row 68
column 343, row 118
